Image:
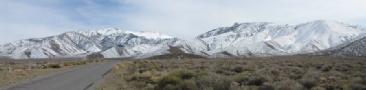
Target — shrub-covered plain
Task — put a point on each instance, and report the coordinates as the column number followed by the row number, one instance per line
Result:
column 275, row 73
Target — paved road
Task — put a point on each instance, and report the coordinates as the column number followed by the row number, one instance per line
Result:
column 82, row 78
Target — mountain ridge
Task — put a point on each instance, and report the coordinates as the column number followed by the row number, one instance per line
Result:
column 239, row 40
column 275, row 39
column 77, row 43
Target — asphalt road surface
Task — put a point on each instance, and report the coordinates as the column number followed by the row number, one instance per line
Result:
column 82, row 78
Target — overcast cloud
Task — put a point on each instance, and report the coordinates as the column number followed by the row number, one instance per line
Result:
column 20, row 19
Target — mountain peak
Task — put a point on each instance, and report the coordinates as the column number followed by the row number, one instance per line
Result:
column 243, row 28
column 326, row 22
column 150, row 35
column 110, row 31
column 323, row 21
column 329, row 23
column 330, row 26
column 252, row 23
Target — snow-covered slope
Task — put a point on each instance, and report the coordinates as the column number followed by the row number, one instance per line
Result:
column 76, row 44
column 263, row 38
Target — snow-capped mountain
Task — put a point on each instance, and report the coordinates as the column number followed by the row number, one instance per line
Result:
column 241, row 39
column 268, row 39
column 111, row 42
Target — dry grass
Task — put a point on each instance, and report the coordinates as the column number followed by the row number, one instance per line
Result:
column 12, row 72
column 276, row 73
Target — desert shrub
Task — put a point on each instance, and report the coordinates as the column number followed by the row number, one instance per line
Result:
column 326, row 68
column 246, row 79
column 287, row 85
column 358, row 86
column 68, row 63
column 81, row 63
column 274, row 73
column 310, row 79
column 54, row 66
column 294, row 73
column 308, row 83
column 265, row 75
column 269, row 87
column 343, row 68
column 256, row 81
column 213, row 82
column 224, row 72
column 189, row 85
column 175, row 80
column 333, row 87
column 360, row 80
column 141, row 77
column 238, row 69
column 75, row 63
column 358, row 83
column 242, row 78
column 95, row 56
column 318, row 88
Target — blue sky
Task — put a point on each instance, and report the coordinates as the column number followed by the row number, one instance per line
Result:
column 21, row 19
